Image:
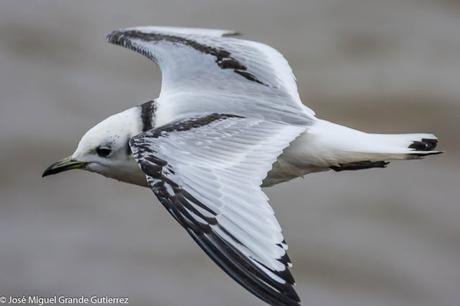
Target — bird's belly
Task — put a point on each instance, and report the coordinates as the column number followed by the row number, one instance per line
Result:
column 297, row 160
column 283, row 171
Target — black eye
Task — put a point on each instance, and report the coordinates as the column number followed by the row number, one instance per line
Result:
column 103, row 151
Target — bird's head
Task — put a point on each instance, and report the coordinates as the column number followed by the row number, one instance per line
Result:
column 104, row 149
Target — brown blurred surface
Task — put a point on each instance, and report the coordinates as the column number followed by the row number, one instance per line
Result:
column 377, row 237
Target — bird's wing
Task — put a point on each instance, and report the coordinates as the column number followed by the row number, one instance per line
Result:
column 186, row 31
column 207, row 172
column 203, row 72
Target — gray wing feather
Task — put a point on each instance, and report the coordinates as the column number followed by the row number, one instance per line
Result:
column 205, row 73
column 207, row 172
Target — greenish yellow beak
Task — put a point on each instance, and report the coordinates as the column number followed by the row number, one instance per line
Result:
column 63, row 165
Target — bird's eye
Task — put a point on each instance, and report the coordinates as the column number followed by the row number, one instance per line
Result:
column 103, row 151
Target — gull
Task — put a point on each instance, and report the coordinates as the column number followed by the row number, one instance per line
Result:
column 228, row 121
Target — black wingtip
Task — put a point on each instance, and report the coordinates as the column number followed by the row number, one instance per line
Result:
column 421, row 155
column 366, row 164
column 114, row 36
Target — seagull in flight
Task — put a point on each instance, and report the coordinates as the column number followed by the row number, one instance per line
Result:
column 228, row 121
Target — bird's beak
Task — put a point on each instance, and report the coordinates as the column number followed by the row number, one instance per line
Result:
column 63, row 165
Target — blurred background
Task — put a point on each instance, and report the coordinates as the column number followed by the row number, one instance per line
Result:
column 381, row 237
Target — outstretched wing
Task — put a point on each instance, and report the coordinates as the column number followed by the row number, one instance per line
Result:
column 186, row 31
column 207, row 172
column 205, row 73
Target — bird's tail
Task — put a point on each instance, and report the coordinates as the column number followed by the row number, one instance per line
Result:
column 349, row 149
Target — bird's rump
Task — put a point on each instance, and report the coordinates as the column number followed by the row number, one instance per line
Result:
column 207, row 172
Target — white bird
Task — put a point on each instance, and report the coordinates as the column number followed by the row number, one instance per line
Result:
column 228, row 121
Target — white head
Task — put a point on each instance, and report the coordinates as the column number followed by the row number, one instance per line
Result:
column 105, row 149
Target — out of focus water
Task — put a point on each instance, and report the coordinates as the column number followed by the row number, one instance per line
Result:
column 377, row 237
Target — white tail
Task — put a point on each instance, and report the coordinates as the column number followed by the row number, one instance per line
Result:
column 342, row 148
